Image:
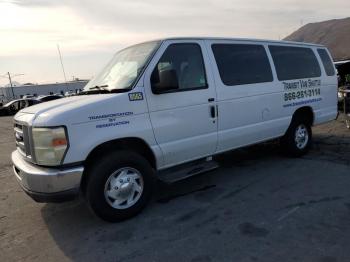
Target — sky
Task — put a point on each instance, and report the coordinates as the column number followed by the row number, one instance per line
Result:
column 89, row 32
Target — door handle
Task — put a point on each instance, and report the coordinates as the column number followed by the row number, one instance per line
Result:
column 212, row 99
column 213, row 111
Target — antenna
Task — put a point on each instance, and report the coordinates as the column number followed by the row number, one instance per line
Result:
column 64, row 73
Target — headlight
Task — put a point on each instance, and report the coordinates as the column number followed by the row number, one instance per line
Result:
column 50, row 145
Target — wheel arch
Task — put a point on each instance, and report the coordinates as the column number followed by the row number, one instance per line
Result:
column 305, row 112
column 134, row 144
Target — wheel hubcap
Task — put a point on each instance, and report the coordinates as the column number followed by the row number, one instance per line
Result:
column 301, row 136
column 123, row 188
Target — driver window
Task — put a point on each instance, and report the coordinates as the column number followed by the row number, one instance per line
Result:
column 15, row 106
column 22, row 104
column 181, row 68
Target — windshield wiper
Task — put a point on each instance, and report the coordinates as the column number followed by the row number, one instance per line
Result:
column 120, row 90
column 113, row 90
column 103, row 87
column 103, row 90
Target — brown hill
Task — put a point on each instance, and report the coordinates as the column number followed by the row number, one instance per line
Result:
column 335, row 34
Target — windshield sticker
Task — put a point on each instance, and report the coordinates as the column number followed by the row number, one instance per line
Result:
column 136, row 96
column 297, row 91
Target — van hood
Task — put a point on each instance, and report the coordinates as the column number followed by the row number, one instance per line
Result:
column 71, row 110
column 67, row 102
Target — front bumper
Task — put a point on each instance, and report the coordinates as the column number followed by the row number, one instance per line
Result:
column 47, row 184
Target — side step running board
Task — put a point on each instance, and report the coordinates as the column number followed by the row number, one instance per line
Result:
column 187, row 170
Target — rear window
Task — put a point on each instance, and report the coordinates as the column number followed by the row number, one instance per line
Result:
column 241, row 64
column 327, row 62
column 294, row 62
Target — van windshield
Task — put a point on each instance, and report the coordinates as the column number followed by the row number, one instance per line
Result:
column 124, row 69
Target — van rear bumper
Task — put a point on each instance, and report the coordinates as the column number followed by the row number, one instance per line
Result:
column 47, row 184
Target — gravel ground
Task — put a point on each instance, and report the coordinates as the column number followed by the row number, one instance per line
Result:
column 258, row 206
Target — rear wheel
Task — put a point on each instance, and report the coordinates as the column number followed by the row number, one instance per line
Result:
column 119, row 185
column 298, row 138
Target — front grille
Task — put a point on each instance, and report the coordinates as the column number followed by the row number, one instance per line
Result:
column 22, row 140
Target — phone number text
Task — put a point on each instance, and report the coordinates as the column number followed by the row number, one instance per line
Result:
column 302, row 94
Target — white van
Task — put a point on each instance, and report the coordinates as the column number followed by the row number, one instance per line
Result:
column 163, row 109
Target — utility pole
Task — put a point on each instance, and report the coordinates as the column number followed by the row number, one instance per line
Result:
column 13, row 94
column 10, row 77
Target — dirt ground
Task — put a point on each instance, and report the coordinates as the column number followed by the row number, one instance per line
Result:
column 258, row 206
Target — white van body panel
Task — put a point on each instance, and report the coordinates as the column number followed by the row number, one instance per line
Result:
column 181, row 121
column 247, row 113
column 251, row 113
column 178, row 127
column 328, row 107
column 92, row 120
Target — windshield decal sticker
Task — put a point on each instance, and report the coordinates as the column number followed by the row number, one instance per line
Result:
column 136, row 96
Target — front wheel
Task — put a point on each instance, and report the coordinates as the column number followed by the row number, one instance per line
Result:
column 298, row 138
column 119, row 185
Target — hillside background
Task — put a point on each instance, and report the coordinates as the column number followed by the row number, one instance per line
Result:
column 335, row 34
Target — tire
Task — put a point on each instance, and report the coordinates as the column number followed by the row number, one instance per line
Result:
column 119, row 185
column 298, row 138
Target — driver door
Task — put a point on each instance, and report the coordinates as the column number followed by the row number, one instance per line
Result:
column 181, row 99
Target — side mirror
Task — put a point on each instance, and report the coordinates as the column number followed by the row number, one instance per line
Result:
column 168, row 81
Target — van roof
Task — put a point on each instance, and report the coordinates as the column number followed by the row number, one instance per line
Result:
column 242, row 39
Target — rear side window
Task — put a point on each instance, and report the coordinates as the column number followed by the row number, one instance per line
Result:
column 327, row 62
column 294, row 62
column 241, row 64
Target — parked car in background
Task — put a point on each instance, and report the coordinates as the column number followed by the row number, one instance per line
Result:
column 12, row 107
column 28, row 96
column 342, row 92
column 69, row 93
column 49, row 98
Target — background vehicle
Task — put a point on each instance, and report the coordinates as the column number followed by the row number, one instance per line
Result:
column 162, row 109
column 69, row 93
column 344, row 100
column 343, row 70
column 28, row 96
column 48, row 98
column 14, row 106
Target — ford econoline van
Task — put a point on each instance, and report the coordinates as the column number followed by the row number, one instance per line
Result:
column 162, row 110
